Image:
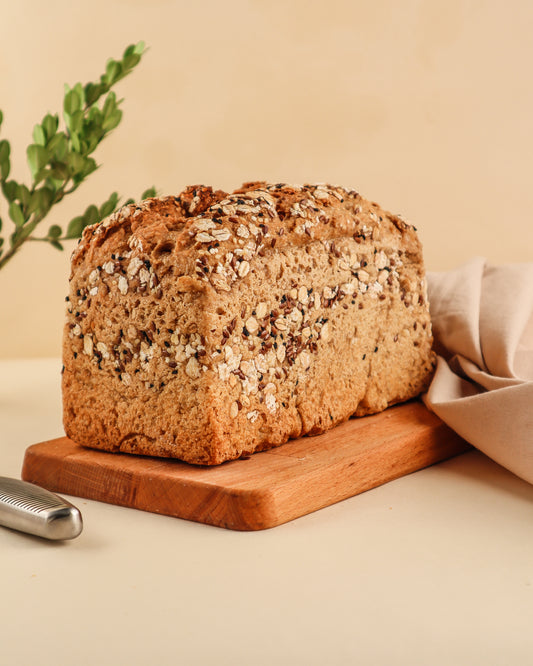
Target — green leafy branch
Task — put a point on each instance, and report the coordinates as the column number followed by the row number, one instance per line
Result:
column 61, row 159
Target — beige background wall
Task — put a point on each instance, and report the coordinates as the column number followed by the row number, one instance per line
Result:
column 423, row 106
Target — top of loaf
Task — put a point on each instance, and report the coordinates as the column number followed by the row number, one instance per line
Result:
column 211, row 236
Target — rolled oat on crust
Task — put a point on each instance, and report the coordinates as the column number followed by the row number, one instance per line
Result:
column 208, row 326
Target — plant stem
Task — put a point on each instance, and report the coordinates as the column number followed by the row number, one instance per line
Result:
column 15, row 247
column 6, row 257
column 11, row 253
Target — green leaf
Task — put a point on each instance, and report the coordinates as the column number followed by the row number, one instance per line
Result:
column 111, row 115
column 108, row 206
column 80, row 167
column 37, row 158
column 0, row 224
column 1, row 118
column 50, row 124
column 110, row 104
column 137, row 49
column 112, row 120
column 39, row 136
column 75, row 141
column 9, row 188
column 41, row 201
column 75, row 227
column 59, row 172
column 55, row 231
column 41, row 175
column 93, row 132
column 5, row 163
column 15, row 213
column 72, row 102
column 130, row 61
column 75, row 163
column 56, row 244
column 23, row 195
column 90, row 166
column 75, row 121
column 93, row 92
column 94, row 117
column 91, row 216
column 78, row 89
column 149, row 193
column 55, row 183
column 58, row 146
column 78, row 224
column 113, row 72
column 5, row 149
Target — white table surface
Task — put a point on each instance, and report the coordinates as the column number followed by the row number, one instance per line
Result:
column 434, row 568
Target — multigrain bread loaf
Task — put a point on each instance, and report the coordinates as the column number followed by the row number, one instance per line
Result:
column 208, row 326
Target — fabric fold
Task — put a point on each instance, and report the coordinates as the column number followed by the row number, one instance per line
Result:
column 482, row 319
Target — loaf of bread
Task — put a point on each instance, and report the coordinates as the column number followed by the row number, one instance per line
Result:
column 208, row 326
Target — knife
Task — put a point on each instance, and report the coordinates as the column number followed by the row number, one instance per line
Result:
column 32, row 509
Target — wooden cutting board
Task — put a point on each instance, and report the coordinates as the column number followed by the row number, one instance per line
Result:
column 263, row 491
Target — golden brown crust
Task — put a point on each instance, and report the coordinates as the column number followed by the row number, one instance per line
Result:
column 210, row 325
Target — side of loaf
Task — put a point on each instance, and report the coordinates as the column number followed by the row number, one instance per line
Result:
column 208, row 326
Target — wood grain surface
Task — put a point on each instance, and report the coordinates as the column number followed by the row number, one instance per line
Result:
column 260, row 492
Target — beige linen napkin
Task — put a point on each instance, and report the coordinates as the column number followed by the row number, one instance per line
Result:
column 483, row 386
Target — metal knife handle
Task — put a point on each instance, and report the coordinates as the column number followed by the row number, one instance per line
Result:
column 32, row 509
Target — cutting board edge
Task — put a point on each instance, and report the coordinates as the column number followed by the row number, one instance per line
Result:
column 241, row 509
column 443, row 444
